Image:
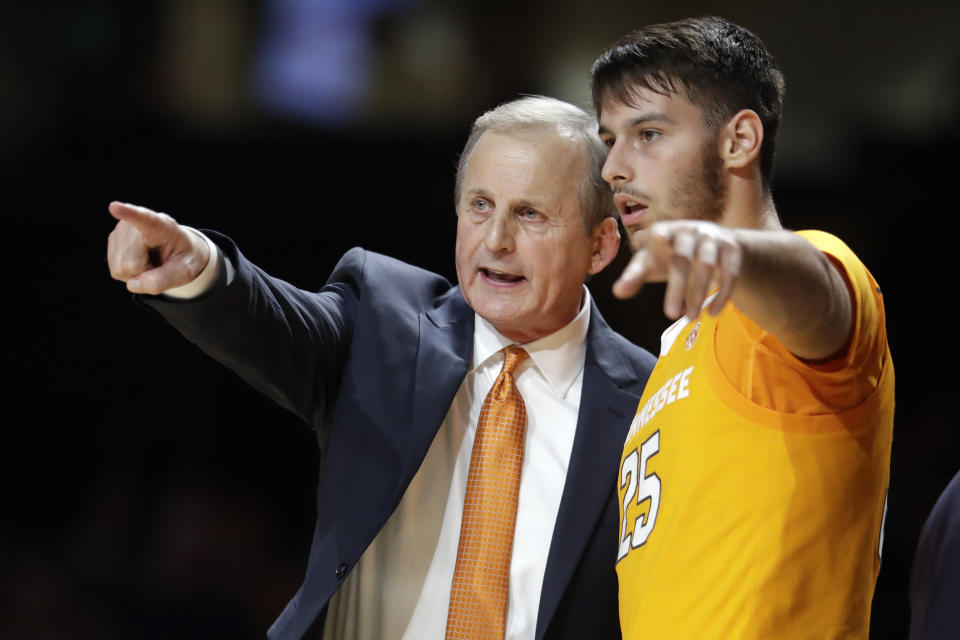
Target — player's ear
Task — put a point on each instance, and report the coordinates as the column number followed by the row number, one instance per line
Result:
column 740, row 139
column 606, row 242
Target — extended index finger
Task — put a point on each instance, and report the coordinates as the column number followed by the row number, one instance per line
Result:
column 633, row 276
column 639, row 240
column 146, row 221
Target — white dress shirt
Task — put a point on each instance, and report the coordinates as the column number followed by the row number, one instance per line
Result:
column 400, row 588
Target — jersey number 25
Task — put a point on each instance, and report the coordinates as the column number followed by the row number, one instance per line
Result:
column 642, row 487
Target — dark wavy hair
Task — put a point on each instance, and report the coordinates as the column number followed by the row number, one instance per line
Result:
column 721, row 67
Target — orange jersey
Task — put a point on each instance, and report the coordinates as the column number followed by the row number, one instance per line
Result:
column 752, row 483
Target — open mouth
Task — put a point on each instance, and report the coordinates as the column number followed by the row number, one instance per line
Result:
column 631, row 211
column 501, row 277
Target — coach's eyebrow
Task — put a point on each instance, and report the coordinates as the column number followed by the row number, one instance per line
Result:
column 521, row 203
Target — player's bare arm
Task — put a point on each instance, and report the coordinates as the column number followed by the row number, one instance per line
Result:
column 778, row 279
column 151, row 252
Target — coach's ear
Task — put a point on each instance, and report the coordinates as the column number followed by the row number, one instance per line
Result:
column 606, row 242
column 740, row 139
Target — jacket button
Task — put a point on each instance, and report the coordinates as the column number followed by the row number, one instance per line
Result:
column 341, row 571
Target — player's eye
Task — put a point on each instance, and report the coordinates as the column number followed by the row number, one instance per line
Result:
column 649, row 135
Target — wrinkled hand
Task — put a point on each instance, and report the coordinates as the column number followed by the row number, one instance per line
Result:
column 692, row 257
column 151, row 252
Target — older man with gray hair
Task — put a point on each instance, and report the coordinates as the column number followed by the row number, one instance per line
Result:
column 468, row 433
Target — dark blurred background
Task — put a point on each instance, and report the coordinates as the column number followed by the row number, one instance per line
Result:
column 147, row 492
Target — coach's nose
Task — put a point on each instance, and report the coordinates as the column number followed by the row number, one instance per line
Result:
column 499, row 232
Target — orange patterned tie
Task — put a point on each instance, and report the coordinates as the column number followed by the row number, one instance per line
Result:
column 481, row 579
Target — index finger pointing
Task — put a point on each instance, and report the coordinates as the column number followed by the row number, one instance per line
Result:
column 632, row 278
column 140, row 217
column 148, row 222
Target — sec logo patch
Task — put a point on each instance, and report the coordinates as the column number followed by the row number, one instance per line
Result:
column 692, row 336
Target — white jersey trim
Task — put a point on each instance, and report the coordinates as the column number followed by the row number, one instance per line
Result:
column 670, row 335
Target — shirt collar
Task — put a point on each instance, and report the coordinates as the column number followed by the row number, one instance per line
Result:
column 559, row 356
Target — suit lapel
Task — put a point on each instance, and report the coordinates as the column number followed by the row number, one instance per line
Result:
column 608, row 399
column 443, row 357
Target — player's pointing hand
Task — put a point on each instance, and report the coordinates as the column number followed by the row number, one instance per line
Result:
column 151, row 252
column 692, row 257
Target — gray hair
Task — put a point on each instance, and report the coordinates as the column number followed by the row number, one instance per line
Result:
column 540, row 114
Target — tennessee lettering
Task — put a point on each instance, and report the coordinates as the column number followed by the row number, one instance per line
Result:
column 676, row 388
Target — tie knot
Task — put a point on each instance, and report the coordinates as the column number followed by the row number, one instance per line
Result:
column 513, row 356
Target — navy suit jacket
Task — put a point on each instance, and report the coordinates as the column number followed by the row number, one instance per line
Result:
column 935, row 578
column 373, row 362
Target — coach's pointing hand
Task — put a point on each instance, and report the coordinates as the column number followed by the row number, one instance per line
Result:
column 151, row 252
